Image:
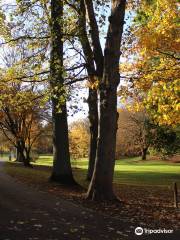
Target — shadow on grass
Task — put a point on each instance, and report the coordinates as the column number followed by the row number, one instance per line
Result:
column 42, row 173
column 146, row 178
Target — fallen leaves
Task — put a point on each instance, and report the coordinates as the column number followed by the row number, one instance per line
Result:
column 38, row 225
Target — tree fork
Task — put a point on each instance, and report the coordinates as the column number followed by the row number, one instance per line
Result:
column 101, row 186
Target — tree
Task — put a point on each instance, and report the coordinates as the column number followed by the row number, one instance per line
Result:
column 87, row 31
column 141, row 121
column 133, row 135
column 20, row 118
column 49, row 26
column 94, row 57
column 79, row 139
column 165, row 140
column 101, row 184
column 62, row 171
column 5, row 145
column 137, row 133
column 20, row 105
column 154, row 74
column 44, row 144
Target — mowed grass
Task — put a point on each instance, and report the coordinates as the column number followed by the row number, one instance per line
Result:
column 131, row 171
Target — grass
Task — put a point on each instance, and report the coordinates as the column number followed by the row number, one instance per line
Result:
column 130, row 171
column 4, row 156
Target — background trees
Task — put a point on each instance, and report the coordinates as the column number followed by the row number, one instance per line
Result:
column 79, row 139
column 138, row 135
column 22, row 106
column 44, row 143
column 154, row 73
column 133, row 135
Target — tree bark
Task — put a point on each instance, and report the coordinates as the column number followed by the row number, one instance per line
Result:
column 62, row 171
column 27, row 151
column 20, row 153
column 92, row 56
column 93, row 120
column 101, row 186
column 94, row 32
column 144, row 153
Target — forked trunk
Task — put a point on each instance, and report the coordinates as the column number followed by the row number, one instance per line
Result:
column 94, row 65
column 101, row 186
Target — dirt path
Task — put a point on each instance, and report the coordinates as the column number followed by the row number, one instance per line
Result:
column 27, row 214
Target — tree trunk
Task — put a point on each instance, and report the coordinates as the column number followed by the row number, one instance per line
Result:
column 144, row 153
column 92, row 56
column 62, row 171
column 27, row 150
column 101, row 186
column 20, row 154
column 93, row 120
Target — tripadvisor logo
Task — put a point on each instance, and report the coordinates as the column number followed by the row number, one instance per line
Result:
column 140, row 231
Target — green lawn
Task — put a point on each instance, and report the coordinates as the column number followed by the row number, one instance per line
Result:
column 132, row 170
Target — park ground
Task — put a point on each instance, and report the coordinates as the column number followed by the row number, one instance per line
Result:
column 144, row 187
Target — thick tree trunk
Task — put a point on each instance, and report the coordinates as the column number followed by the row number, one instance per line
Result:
column 144, row 153
column 20, row 154
column 62, row 171
column 27, row 151
column 101, row 186
column 93, row 120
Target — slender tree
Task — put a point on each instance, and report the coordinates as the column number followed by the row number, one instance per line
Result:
column 94, row 64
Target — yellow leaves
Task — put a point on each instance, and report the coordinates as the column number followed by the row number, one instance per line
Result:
column 163, row 103
column 93, row 83
column 161, row 29
column 4, row 29
column 135, row 106
column 79, row 138
column 157, row 68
